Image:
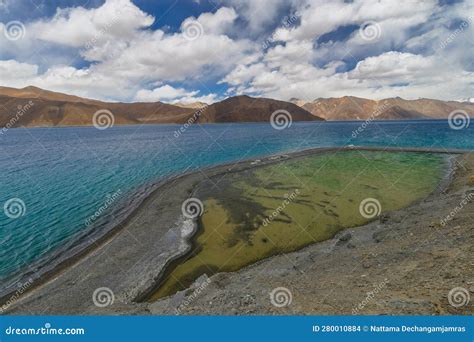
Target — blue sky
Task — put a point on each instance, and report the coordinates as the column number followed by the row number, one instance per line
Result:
column 206, row 50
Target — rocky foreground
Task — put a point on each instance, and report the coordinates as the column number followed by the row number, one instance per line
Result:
column 417, row 261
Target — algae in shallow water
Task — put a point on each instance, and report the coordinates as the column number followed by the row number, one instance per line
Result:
column 282, row 207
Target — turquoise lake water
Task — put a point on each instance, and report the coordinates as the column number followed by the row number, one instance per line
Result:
column 63, row 176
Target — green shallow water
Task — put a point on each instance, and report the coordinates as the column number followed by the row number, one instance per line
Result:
column 283, row 207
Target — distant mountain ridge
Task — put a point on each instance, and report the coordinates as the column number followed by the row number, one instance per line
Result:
column 36, row 107
column 56, row 109
column 249, row 109
column 356, row 108
column 193, row 105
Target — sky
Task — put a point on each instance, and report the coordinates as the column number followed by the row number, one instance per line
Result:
column 207, row 50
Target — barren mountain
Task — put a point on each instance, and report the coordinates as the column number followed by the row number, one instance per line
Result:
column 248, row 109
column 32, row 106
column 355, row 108
column 35, row 107
column 298, row 102
column 193, row 105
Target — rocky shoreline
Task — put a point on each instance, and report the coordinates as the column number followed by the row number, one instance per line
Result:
column 131, row 262
column 406, row 263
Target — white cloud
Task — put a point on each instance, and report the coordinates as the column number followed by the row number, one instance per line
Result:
column 126, row 55
column 175, row 58
column 293, row 68
column 77, row 27
column 394, row 66
column 417, row 53
column 387, row 75
column 164, row 93
column 244, row 73
column 218, row 22
column 12, row 70
column 66, row 79
column 258, row 14
column 208, row 99
column 319, row 17
column 170, row 94
column 292, row 52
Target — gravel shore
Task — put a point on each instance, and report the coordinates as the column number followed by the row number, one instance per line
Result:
column 407, row 262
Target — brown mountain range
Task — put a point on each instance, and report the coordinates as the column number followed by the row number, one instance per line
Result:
column 193, row 105
column 31, row 107
column 356, row 108
column 55, row 109
column 249, row 109
column 35, row 107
